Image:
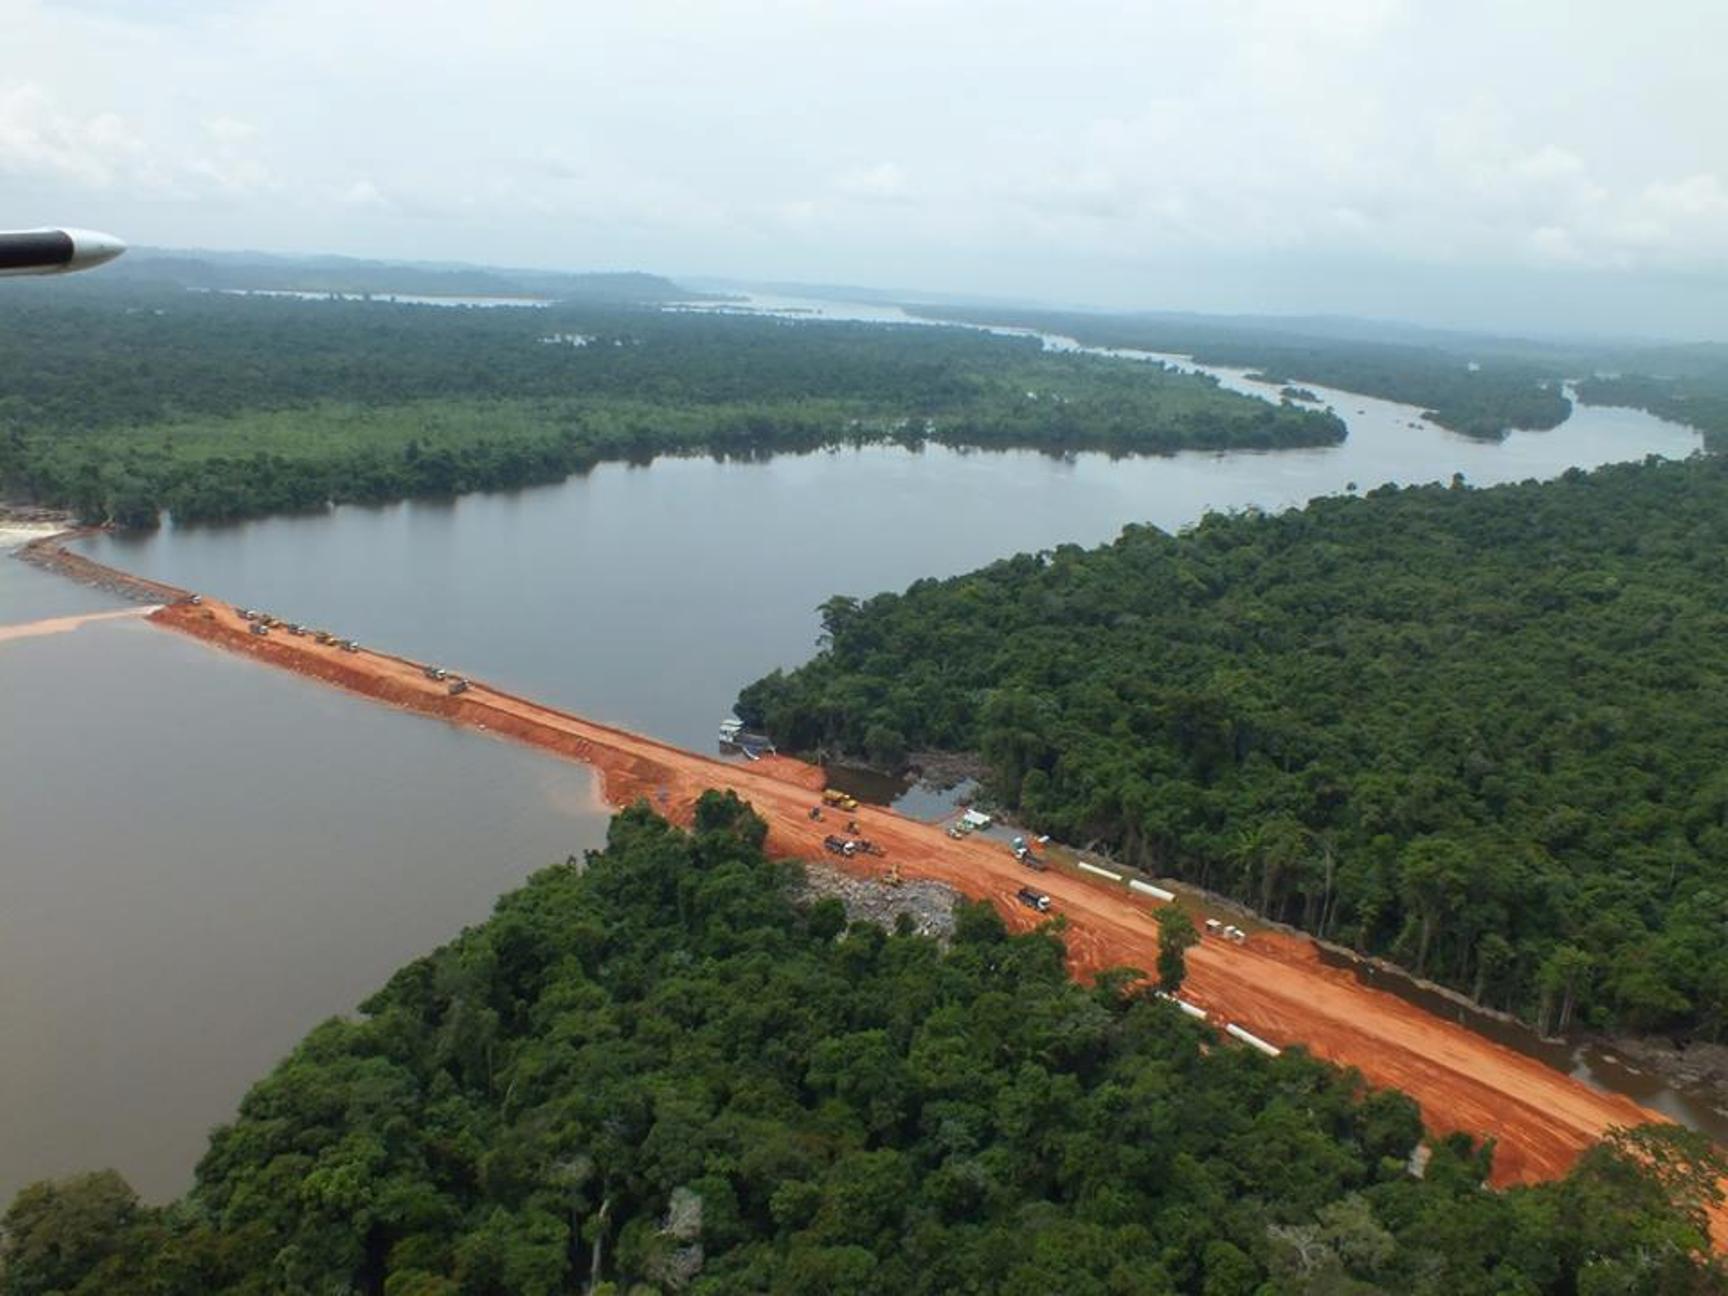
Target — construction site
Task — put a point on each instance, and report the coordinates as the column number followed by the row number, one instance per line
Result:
column 1270, row 990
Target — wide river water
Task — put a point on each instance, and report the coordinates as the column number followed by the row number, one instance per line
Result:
column 201, row 858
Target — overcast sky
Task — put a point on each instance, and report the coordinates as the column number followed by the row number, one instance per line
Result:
column 1558, row 164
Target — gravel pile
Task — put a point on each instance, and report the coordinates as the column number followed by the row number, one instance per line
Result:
column 929, row 904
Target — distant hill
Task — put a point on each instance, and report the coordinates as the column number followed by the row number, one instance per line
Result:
column 334, row 274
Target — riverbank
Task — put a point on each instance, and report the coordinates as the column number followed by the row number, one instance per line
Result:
column 1272, row 985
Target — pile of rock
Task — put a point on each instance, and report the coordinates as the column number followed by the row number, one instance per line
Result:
column 929, row 905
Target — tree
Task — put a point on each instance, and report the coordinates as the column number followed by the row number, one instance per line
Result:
column 1433, row 872
column 55, row 1232
column 1176, row 936
column 1562, row 974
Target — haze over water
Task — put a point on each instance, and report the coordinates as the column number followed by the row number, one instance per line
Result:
column 170, row 930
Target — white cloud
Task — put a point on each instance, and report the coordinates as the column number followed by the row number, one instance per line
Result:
column 40, row 139
column 991, row 145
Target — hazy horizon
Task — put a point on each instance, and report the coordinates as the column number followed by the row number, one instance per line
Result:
column 1553, row 170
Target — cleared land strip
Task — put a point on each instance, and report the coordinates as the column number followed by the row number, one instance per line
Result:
column 1273, row 985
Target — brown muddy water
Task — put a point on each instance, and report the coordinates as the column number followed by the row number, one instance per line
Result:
column 200, row 860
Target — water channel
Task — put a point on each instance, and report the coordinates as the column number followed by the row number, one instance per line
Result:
column 201, row 859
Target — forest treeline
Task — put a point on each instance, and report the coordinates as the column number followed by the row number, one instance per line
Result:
column 1484, row 398
column 1482, row 732
column 259, row 272
column 120, row 403
column 653, row 1072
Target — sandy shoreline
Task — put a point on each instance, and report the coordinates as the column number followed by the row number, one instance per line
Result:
column 15, row 535
column 66, row 624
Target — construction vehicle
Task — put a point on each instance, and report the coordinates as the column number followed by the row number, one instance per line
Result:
column 434, row 672
column 194, row 599
column 892, row 876
column 1023, row 853
column 1033, row 899
column 458, row 686
column 323, row 636
column 296, row 629
column 870, row 848
column 835, row 797
column 839, row 846
column 348, row 645
column 259, row 628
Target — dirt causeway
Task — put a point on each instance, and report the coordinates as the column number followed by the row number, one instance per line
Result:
column 1273, row 985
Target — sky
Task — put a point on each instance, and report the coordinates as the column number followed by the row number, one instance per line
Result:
column 1525, row 165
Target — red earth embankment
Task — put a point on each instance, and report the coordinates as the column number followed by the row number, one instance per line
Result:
column 1274, row 985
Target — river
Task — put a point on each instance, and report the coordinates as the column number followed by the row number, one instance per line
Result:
column 265, row 851
column 202, row 860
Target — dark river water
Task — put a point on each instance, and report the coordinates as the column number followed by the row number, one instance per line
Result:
column 202, row 858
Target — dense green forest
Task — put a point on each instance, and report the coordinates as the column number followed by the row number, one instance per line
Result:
column 1485, row 397
column 119, row 403
column 1481, row 731
column 654, row 1073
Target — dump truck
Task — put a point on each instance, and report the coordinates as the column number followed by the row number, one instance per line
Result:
column 838, row 846
column 1033, row 899
column 458, row 686
column 323, row 636
column 434, row 672
column 259, row 628
column 296, row 629
column 835, row 797
column 349, row 645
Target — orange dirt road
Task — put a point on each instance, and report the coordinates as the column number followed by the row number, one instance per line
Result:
column 1274, row 985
